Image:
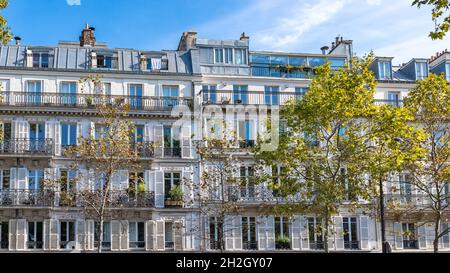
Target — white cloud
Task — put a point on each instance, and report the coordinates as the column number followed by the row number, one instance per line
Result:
column 73, row 2
column 373, row 2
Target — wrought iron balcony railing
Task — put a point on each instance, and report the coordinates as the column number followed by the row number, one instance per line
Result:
column 416, row 200
column 27, row 198
column 20, row 146
column 250, row 194
column 47, row 99
column 352, row 245
column 172, row 152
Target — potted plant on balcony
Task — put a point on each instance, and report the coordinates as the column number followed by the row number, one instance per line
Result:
column 175, row 198
column 89, row 101
column 282, row 242
column 66, row 199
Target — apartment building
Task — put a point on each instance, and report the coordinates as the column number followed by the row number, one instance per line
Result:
column 44, row 111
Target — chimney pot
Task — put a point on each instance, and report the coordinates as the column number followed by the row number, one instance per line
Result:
column 324, row 50
column 244, row 37
column 17, row 39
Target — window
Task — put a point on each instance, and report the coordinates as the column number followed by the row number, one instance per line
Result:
column 282, row 237
column 315, row 233
column 249, row 233
column 447, row 72
column 37, row 137
column 136, row 182
column 171, row 180
column 105, row 61
column 68, row 135
column 300, row 93
column 350, row 192
column 337, row 63
column 66, row 233
column 393, row 99
column 7, row 131
column 138, row 135
column 247, row 181
column 241, row 56
column 168, row 238
column 136, row 235
column 171, row 91
column 135, row 91
column 313, row 62
column 101, row 131
column 209, row 93
column 228, row 55
column 404, row 181
column 6, row 180
column 409, row 236
column 35, row 180
column 384, row 68
column 41, row 60
column 35, row 235
column 172, row 145
column 240, row 94
column 350, row 233
column 69, row 93
column 278, row 173
column 272, row 94
column 246, row 133
column 440, row 139
column 106, row 236
column 421, row 70
column 4, row 235
column 157, row 63
column 67, row 178
column 34, row 92
column 215, row 233
column 218, row 53
column 311, row 139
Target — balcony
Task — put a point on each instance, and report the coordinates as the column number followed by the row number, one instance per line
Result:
column 235, row 97
column 90, row 101
column 172, row 152
column 408, row 200
column 351, row 245
column 249, row 194
column 27, row 198
column 33, row 147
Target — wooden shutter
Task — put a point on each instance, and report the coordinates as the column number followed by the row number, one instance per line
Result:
column 262, row 233
column 124, row 238
column 158, row 141
column 422, row 236
column 83, row 180
column 22, row 234
column 90, row 235
column 148, row 133
column 160, row 235
column 46, row 239
column 115, row 235
column 81, row 235
column 237, row 233
column 150, row 235
column 364, row 232
column 13, row 179
column 53, row 235
column 296, row 233
column 159, row 189
column 178, row 235
column 187, row 188
column 12, row 233
column 430, row 234
column 57, row 138
column 228, row 227
column 271, row 233
column 186, row 141
column 304, row 233
column 398, row 232
column 22, row 179
column 339, row 230
column 80, row 134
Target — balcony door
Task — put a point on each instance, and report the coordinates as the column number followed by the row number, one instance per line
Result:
column 7, row 133
column 37, row 137
column 34, row 92
column 247, row 181
column 135, row 93
column 209, row 94
column 240, row 94
column 350, row 225
column 272, row 95
column 409, row 234
column 393, row 99
column 68, row 93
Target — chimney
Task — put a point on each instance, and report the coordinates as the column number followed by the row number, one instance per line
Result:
column 244, row 37
column 324, row 50
column 337, row 40
column 87, row 37
column 333, row 45
column 187, row 41
column 17, row 39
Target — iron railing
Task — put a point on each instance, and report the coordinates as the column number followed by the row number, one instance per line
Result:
column 24, row 198
column 249, row 194
column 47, row 99
column 353, row 245
column 172, row 152
column 410, row 244
column 316, row 245
column 31, row 146
column 417, row 200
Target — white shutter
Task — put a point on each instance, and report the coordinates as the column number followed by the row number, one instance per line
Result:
column 159, row 189
column 81, row 235
column 178, row 235
column 90, row 235
column 53, row 235
column 21, row 234
column 13, row 179
column 124, row 180
column 187, row 188
column 270, row 233
column 296, row 233
column 49, row 132
column 115, row 181
column 446, row 236
column 398, row 232
column 364, row 232
column 186, row 141
column 79, row 132
column 160, row 235
column 57, row 138
column 304, row 233
column 12, row 233
column 22, row 179
column 237, row 233
column 115, row 235
column 158, row 141
column 82, row 180
column 339, row 230
column 430, row 234
column 148, row 133
column 228, row 227
column 124, row 239
column 422, row 236
column 262, row 233
column 147, row 180
column 150, row 235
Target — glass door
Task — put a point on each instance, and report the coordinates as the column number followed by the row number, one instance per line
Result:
column 69, row 93
column 34, row 93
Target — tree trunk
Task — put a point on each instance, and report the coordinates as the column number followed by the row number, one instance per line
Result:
column 326, row 234
column 437, row 224
column 100, row 235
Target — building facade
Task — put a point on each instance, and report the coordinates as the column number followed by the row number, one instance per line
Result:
column 44, row 110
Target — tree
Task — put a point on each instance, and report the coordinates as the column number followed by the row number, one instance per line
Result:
column 387, row 154
column 430, row 102
column 5, row 30
column 104, row 157
column 442, row 20
column 322, row 148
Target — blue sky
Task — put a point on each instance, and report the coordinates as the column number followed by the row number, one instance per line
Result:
column 390, row 28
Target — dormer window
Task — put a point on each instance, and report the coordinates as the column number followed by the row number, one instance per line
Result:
column 385, row 70
column 157, row 63
column 40, row 59
column 104, row 61
column 230, row 56
column 421, row 70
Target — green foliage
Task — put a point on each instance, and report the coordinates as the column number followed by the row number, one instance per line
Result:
column 176, row 193
column 439, row 16
column 5, row 30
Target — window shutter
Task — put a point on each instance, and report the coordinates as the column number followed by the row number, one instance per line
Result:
column 228, row 227
column 159, row 189
column 339, row 230
column 83, row 180
column 148, row 133
column 422, row 236
column 446, row 236
column 57, row 138
column 262, row 233
column 12, row 234
column 160, row 235
column 53, row 235
column 90, row 233
column 178, row 235
column 79, row 132
column 186, row 142
column 115, row 235
column 296, row 233
column 398, row 231
column 187, row 188
column 22, row 179
column 92, row 129
column 304, row 232
column 430, row 234
column 124, row 245
column 158, row 141
column 237, row 233
column 115, row 181
column 124, row 180
column 206, row 221
column 21, row 234
column 364, row 232
column 49, row 130
column 81, row 235
column 46, row 239
column 271, row 233
column 13, row 179
column 150, row 235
